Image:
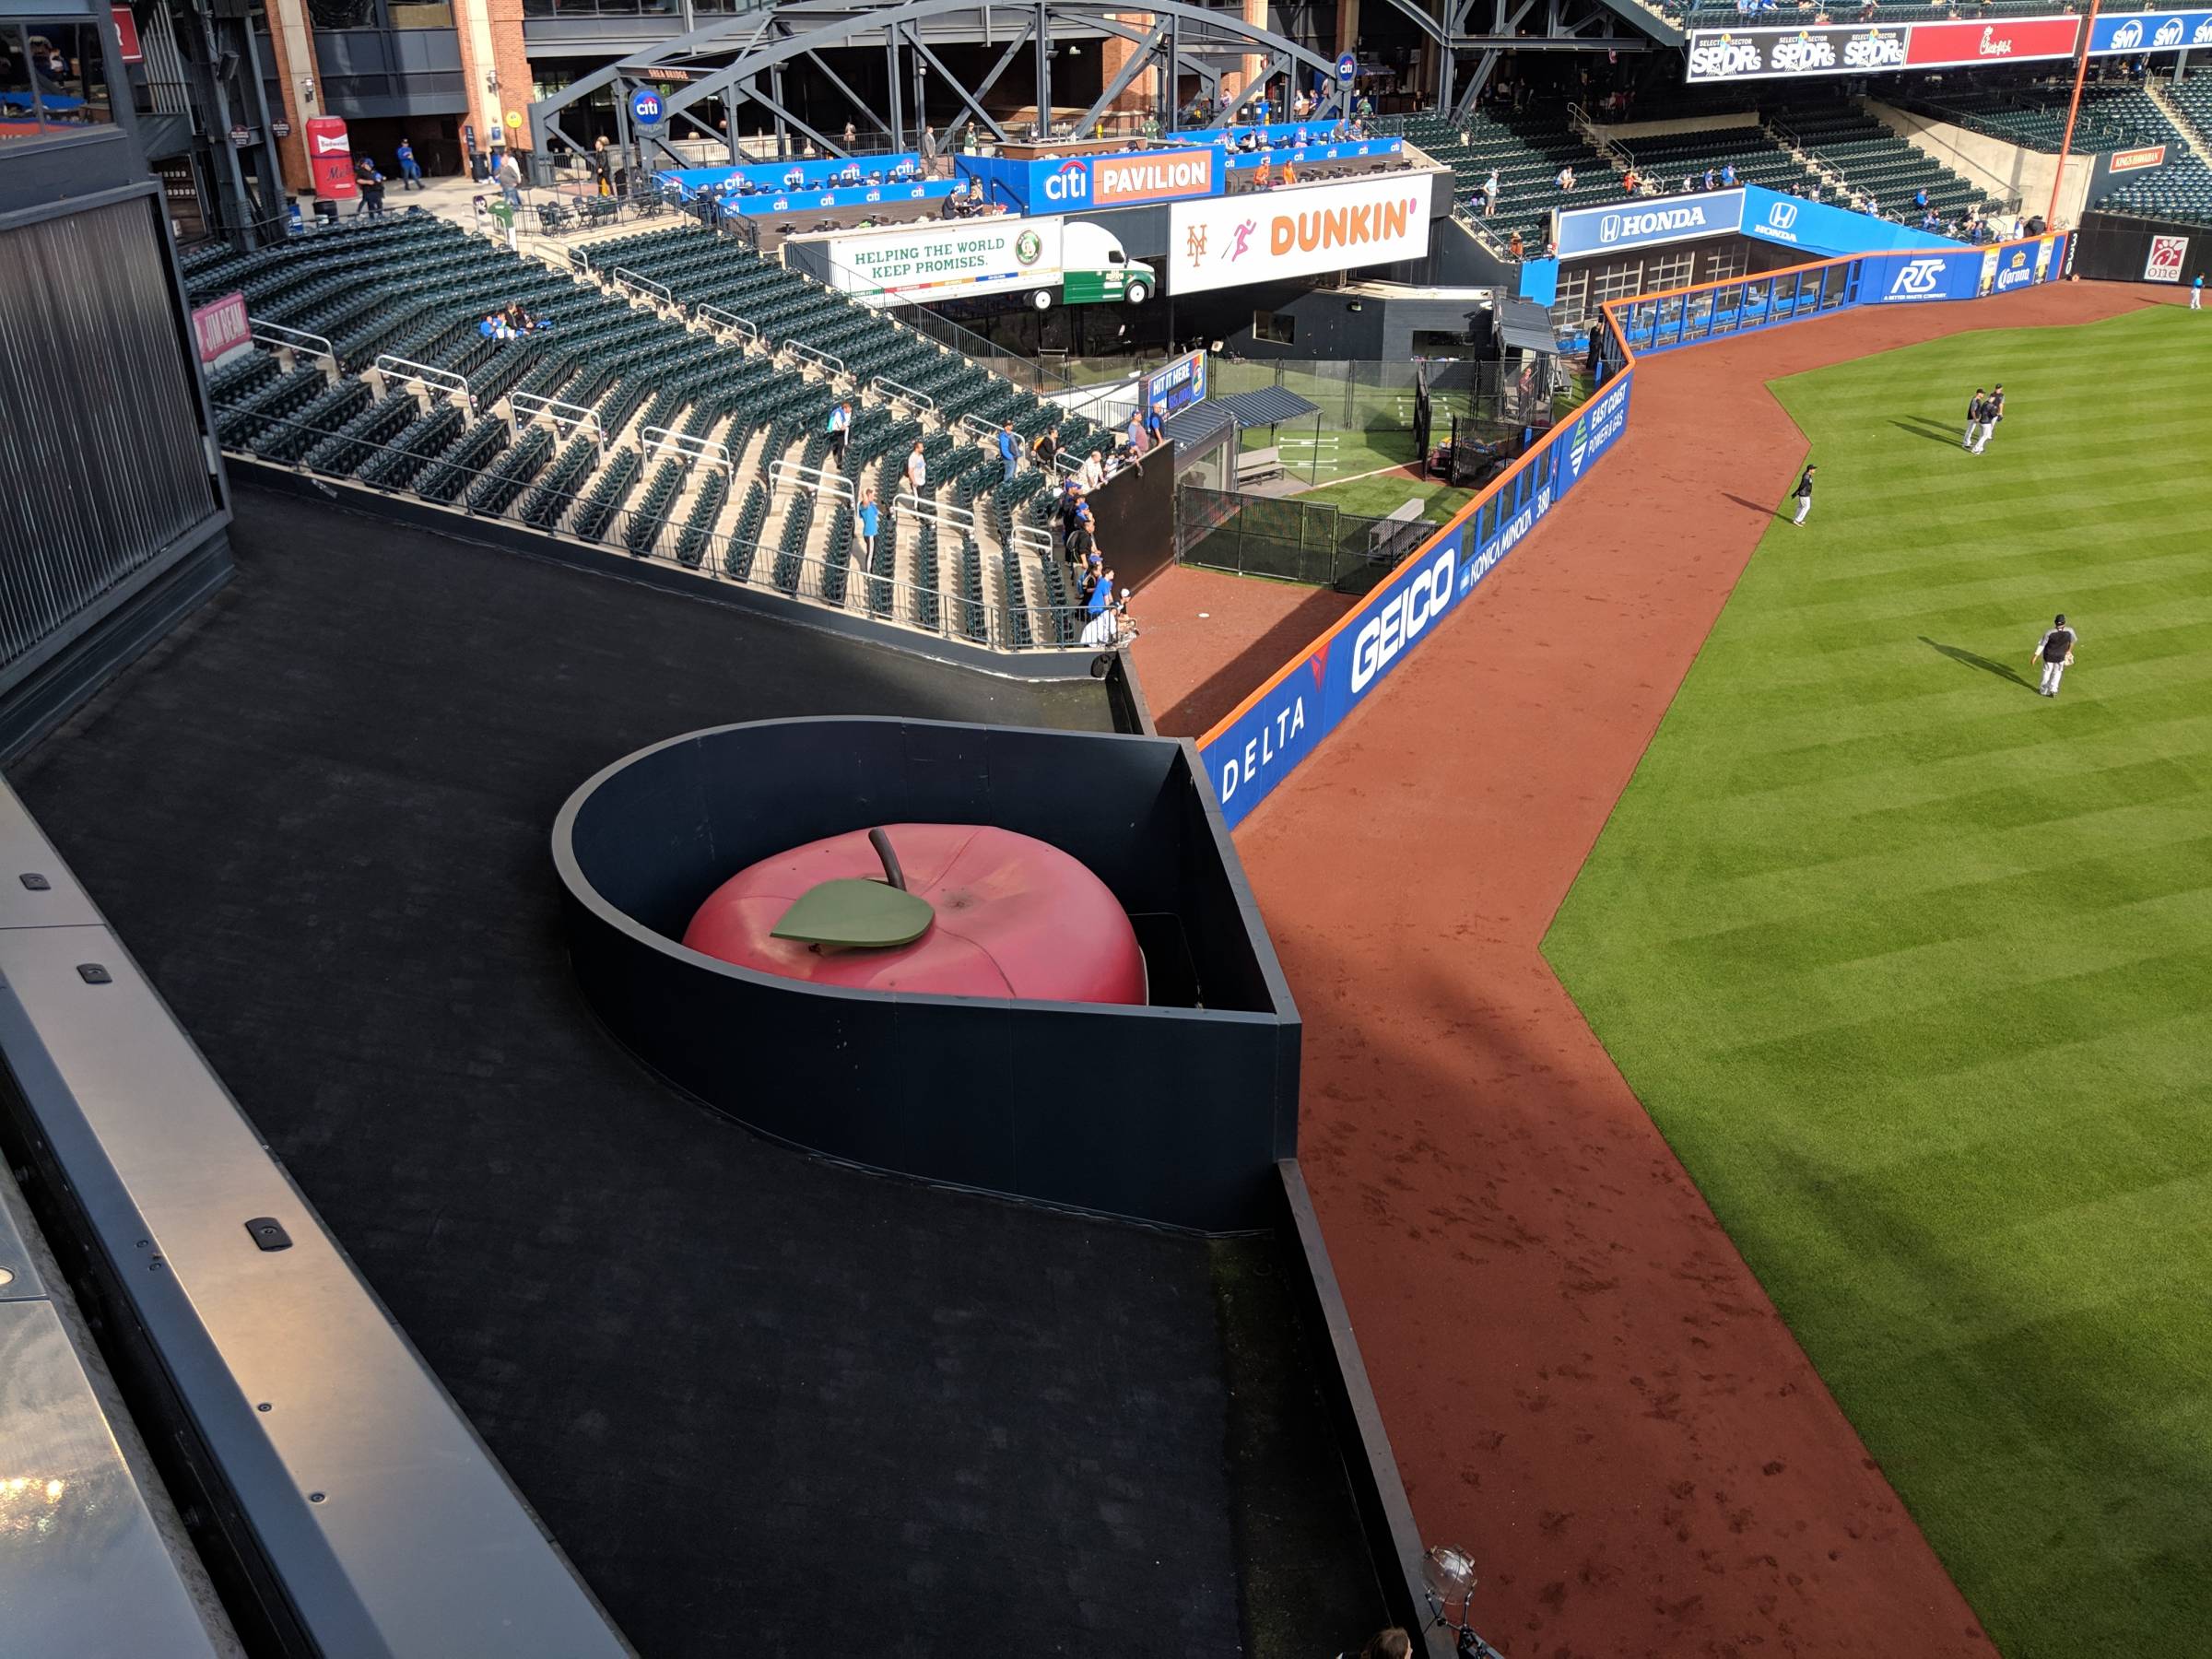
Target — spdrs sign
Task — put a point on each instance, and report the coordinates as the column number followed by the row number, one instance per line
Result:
column 1266, row 236
column 1263, row 742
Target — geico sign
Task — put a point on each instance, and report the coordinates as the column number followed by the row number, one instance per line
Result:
column 1400, row 621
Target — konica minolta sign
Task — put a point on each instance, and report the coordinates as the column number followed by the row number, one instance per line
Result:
column 1649, row 221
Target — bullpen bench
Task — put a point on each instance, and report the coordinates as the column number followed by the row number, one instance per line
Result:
column 1397, row 534
column 1255, row 466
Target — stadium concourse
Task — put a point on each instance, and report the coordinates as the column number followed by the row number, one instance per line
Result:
column 1582, row 1380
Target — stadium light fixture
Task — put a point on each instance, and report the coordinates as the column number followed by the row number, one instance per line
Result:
column 1448, row 1576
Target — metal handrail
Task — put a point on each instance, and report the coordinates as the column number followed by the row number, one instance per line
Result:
column 407, row 368
column 808, row 354
column 629, row 279
column 693, row 450
column 796, row 474
column 524, row 407
column 890, row 390
column 276, row 333
column 957, row 519
column 729, row 320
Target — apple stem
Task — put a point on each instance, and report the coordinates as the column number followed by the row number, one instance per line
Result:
column 891, row 872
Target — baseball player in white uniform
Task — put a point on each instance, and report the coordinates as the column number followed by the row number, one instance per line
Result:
column 2055, row 652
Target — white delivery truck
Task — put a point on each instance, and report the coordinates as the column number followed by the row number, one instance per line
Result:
column 1072, row 260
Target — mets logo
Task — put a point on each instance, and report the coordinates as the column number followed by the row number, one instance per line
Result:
column 1027, row 247
column 1578, row 445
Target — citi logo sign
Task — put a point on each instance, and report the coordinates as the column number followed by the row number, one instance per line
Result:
column 1782, row 214
column 1920, row 277
column 1070, row 181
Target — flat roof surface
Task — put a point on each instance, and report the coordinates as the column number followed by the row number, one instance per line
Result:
column 764, row 1402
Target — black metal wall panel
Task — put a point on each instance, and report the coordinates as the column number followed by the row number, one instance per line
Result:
column 103, row 463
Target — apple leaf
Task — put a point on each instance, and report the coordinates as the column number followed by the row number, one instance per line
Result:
column 855, row 912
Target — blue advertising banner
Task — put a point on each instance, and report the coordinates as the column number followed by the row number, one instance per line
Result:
column 1648, row 222
column 1904, row 278
column 1247, row 756
column 761, row 190
column 1190, row 165
column 1818, row 228
column 1178, row 385
column 2117, row 32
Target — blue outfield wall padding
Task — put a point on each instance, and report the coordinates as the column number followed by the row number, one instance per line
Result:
column 1540, row 281
column 1261, row 742
column 1819, row 229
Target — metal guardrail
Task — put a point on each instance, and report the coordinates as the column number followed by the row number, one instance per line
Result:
column 653, row 440
column 523, row 408
column 795, row 475
column 296, row 339
column 890, row 390
column 430, row 374
column 644, row 287
column 727, row 322
column 957, row 520
column 821, row 359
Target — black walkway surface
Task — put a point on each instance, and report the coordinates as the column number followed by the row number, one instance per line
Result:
column 768, row 1404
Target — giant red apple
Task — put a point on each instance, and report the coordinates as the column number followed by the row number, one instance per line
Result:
column 1010, row 916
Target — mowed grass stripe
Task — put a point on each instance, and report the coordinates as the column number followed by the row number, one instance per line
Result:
column 1913, row 968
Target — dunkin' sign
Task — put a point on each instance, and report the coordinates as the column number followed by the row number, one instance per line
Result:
column 1263, row 237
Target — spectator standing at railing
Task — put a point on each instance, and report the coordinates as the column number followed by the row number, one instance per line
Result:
column 1093, row 473
column 1156, row 427
column 917, row 469
column 870, row 521
column 1009, row 451
column 509, row 177
column 1514, row 247
column 840, row 428
column 410, row 170
column 1045, row 450
column 852, row 136
column 372, row 187
column 1727, row 172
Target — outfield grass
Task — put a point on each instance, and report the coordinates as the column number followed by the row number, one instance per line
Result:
column 1379, row 498
column 1914, row 968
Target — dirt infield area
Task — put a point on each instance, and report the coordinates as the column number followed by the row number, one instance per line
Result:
column 1585, row 1386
